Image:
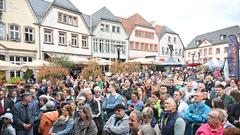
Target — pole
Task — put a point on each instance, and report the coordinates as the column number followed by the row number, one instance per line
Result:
column 118, row 52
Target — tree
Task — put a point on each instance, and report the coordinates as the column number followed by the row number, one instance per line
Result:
column 117, row 67
column 92, row 69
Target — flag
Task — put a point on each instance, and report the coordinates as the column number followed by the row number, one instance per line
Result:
column 225, row 70
column 233, row 56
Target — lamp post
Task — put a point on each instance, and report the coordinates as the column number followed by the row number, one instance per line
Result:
column 118, row 47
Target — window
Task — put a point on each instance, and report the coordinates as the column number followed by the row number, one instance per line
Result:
column 155, row 47
column 67, row 19
column 29, row 34
column 107, row 28
column 48, row 36
column 176, row 51
column 113, row 29
column 169, row 39
column 101, row 45
column 151, row 47
column 95, row 45
column 189, row 54
column 205, row 52
column 62, row 38
column 123, row 47
column 217, row 50
column 131, row 45
column 2, row 4
column 167, row 50
column 163, row 50
column 74, row 40
column 102, row 27
column 180, row 51
column 225, row 49
column 210, row 51
column 2, row 31
column 137, row 46
column 198, row 42
column 14, row 32
column 107, row 46
column 223, row 37
column 142, row 46
column 113, row 46
column 84, row 42
column 118, row 29
column 175, row 40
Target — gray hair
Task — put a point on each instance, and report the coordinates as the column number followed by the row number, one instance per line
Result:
column 147, row 130
column 139, row 115
column 147, row 115
column 87, row 90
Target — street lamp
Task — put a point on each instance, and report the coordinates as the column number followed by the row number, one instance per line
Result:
column 118, row 47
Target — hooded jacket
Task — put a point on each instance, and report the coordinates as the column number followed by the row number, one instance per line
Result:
column 47, row 121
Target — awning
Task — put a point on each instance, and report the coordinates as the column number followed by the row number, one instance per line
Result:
column 74, row 58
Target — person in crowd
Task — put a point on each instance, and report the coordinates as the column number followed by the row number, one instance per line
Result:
column 215, row 123
column 189, row 92
column 111, row 100
column 146, row 130
column 158, row 106
column 43, row 87
column 227, row 99
column 181, row 104
column 171, row 123
column 140, row 93
column 236, row 95
column 201, row 87
column 84, row 124
column 98, row 94
column 135, row 121
column 148, row 89
column 64, row 124
column 35, row 106
column 134, row 103
column 231, row 131
column 196, row 113
column 234, row 114
column 209, row 84
column 23, row 115
column 171, row 88
column 7, row 128
column 117, row 124
column 13, row 96
column 127, row 90
column 163, row 93
column 48, row 118
column 233, row 86
column 149, row 119
column 95, row 107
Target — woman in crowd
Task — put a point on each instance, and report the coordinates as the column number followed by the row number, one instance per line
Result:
column 64, row 123
column 134, row 103
column 84, row 124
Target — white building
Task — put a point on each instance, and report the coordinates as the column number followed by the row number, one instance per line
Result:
column 107, row 32
column 212, row 45
column 63, row 31
column 168, row 37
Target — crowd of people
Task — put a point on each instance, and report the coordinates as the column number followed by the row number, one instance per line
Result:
column 178, row 101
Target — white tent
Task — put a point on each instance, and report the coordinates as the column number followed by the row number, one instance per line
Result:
column 4, row 65
column 78, row 59
column 142, row 61
column 36, row 64
column 102, row 62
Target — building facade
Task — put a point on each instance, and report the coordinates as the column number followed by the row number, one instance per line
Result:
column 212, row 45
column 63, row 31
column 108, row 33
column 18, row 34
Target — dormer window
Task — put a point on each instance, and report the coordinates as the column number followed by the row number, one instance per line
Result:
column 223, row 37
column 198, row 42
column 2, row 5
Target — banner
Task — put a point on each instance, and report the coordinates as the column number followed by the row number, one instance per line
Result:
column 233, row 56
column 226, row 70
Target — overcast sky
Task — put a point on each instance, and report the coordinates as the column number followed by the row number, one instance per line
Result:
column 188, row 18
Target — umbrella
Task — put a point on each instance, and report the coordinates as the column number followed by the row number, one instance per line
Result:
column 78, row 59
column 214, row 63
column 36, row 64
column 142, row 61
column 4, row 65
column 101, row 61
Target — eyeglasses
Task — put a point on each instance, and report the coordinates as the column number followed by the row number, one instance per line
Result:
column 118, row 110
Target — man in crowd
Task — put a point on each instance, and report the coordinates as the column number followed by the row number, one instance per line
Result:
column 182, row 105
column 111, row 100
column 196, row 113
column 171, row 122
column 135, row 121
column 227, row 99
column 127, row 91
column 23, row 115
column 215, row 124
column 117, row 124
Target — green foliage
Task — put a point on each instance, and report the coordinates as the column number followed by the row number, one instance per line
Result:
column 27, row 74
column 2, row 76
column 63, row 62
column 92, row 69
column 14, row 80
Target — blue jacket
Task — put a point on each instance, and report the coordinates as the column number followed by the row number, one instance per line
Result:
column 110, row 101
column 139, row 106
column 63, row 127
column 196, row 113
